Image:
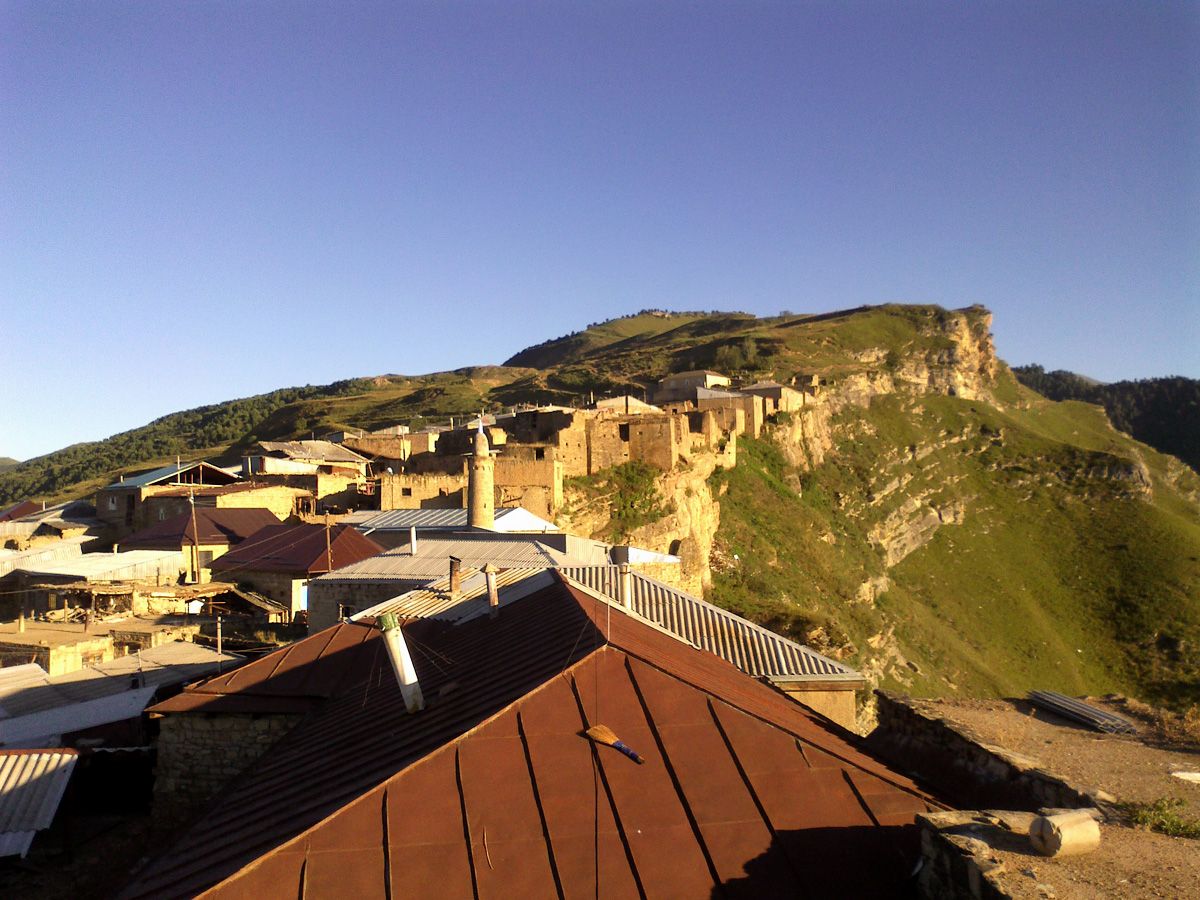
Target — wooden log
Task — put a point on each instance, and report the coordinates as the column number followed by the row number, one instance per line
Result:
column 1065, row 834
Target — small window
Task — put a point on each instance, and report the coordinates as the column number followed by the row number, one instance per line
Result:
column 345, row 610
column 162, row 514
column 112, row 503
column 405, row 492
column 539, row 453
column 624, row 431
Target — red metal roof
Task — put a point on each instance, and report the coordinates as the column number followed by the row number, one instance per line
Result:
column 296, row 549
column 492, row 791
column 17, row 510
column 213, row 526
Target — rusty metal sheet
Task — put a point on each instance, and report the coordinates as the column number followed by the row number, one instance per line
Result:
column 588, row 850
column 345, row 872
column 724, row 810
column 508, row 845
column 649, row 808
column 428, row 850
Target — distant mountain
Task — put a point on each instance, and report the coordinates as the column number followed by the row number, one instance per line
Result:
column 7, row 462
column 1161, row 412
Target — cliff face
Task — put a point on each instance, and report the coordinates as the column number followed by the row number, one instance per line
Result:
column 929, row 521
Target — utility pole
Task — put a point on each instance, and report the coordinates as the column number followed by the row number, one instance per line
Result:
column 328, row 548
column 195, row 540
column 219, row 645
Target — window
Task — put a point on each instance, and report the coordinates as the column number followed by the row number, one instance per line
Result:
column 162, row 514
column 112, row 503
column 624, row 432
column 539, row 453
column 206, row 558
column 346, row 610
column 405, row 492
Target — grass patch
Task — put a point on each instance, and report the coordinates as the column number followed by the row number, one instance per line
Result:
column 631, row 493
column 1164, row 816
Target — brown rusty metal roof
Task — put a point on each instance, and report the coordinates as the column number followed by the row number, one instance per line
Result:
column 492, row 791
column 296, row 549
column 213, row 526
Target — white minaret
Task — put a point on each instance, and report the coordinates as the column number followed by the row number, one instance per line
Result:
column 481, row 479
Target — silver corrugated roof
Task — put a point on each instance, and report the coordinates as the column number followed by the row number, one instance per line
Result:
column 752, row 648
column 431, row 559
column 124, row 566
column 31, row 787
column 507, row 519
column 435, row 602
column 27, row 689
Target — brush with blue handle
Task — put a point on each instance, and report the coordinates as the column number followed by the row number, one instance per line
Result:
column 602, row 734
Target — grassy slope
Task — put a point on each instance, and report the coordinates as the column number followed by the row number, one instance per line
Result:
column 1078, row 587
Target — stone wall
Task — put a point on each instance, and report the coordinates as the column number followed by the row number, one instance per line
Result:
column 955, row 863
column 964, row 767
column 438, row 491
column 198, row 754
column 326, row 597
column 535, row 484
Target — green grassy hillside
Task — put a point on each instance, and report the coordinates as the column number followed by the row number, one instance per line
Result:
column 1055, row 568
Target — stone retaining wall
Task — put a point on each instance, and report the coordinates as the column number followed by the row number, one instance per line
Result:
column 199, row 753
column 961, row 765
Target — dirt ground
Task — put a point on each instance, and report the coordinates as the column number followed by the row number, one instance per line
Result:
column 1130, row 863
column 1131, row 768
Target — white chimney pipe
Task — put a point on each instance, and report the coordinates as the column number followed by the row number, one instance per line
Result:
column 489, row 577
column 406, row 674
column 624, row 586
column 412, row 540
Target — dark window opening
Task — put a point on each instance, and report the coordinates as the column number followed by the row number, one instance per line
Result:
column 405, row 492
column 539, row 453
column 623, row 431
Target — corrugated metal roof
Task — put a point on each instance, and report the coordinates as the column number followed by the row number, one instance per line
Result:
column 752, row 648
column 430, row 562
column 313, row 451
column 436, row 602
column 32, row 784
column 743, row 790
column 296, row 549
column 167, row 473
column 508, row 519
column 27, row 689
column 131, row 564
column 67, row 548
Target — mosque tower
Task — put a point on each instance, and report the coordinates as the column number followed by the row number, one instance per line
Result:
column 481, row 491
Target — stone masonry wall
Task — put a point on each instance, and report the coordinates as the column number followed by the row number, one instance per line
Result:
column 199, row 753
column 964, row 767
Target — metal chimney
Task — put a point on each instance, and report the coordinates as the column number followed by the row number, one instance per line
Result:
column 406, row 674
column 489, row 577
column 455, row 577
column 624, row 586
column 412, row 540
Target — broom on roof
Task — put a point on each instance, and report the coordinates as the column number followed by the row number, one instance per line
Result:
column 602, row 734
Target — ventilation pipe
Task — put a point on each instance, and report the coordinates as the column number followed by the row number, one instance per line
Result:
column 397, row 650
column 624, row 586
column 412, row 540
column 489, row 576
column 455, row 577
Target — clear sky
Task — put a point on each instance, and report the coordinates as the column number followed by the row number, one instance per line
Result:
column 206, row 200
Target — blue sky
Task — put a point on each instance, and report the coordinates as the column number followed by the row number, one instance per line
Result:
column 206, row 200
